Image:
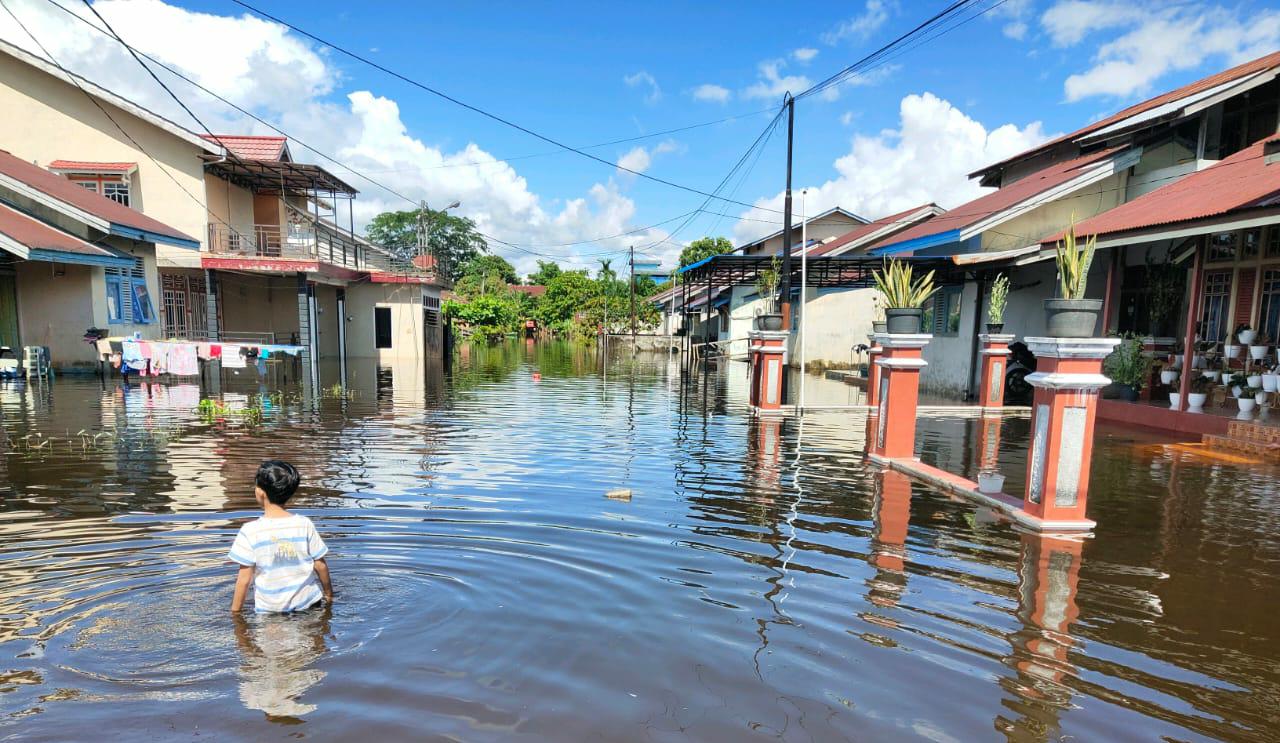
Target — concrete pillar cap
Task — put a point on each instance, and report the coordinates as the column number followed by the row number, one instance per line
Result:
column 903, row 340
column 997, row 337
column 1072, row 348
column 768, row 334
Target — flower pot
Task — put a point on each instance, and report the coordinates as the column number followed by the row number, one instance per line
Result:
column 903, row 320
column 880, row 326
column 1128, row 392
column 1196, row 400
column 1236, row 391
column 769, row 321
column 1257, row 353
column 1176, row 361
column 1269, row 382
column 1246, row 336
column 1174, row 399
column 990, row 482
column 1213, row 375
column 1246, row 404
column 995, row 328
column 1260, row 398
column 1168, row 376
column 1071, row 318
column 1197, row 362
column 1254, row 380
column 1230, row 351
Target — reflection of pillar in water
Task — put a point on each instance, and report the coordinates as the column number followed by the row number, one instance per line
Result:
column 989, row 441
column 891, row 513
column 767, row 450
column 1048, row 576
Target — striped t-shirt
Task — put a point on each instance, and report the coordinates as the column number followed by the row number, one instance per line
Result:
column 282, row 552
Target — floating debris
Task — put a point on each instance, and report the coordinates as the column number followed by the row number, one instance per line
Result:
column 622, row 494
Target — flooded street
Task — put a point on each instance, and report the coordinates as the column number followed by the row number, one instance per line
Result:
column 759, row 581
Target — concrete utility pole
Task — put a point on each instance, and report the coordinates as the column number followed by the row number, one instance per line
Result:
column 785, row 284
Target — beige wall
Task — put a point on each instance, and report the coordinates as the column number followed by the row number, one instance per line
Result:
column 405, row 301
column 832, row 225
column 229, row 204
column 327, row 320
column 837, row 321
column 259, row 304
column 1043, row 221
column 46, row 119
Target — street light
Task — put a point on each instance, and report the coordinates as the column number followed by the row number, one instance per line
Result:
column 424, row 225
column 804, row 289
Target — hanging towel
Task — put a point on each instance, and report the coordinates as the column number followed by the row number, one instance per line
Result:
column 144, row 348
column 131, row 352
column 104, row 346
column 159, row 358
column 182, row 360
column 215, row 350
column 231, row 358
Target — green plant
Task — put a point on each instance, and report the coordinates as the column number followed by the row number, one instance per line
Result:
column 999, row 298
column 1127, row 364
column 1164, row 284
column 1235, row 334
column 1239, row 379
column 1073, row 262
column 1251, row 391
column 1201, row 385
column 767, row 282
column 899, row 288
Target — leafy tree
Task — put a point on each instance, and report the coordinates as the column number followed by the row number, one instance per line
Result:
column 488, row 316
column 566, row 294
column 547, row 271
column 453, row 240
column 491, row 265
column 701, row 249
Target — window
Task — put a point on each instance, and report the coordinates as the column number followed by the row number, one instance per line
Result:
column 1217, row 295
column 1269, row 310
column 128, row 299
column 382, row 327
column 1222, row 247
column 942, row 317
column 116, row 191
column 87, row 185
column 1273, row 242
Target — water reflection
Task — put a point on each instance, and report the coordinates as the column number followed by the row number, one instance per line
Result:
column 278, row 655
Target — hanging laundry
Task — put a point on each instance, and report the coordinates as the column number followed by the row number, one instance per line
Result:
column 104, row 346
column 215, row 350
column 231, row 358
column 131, row 352
column 160, row 358
column 182, row 360
column 144, row 348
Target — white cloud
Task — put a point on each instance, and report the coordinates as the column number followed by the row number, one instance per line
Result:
column 1155, row 40
column 711, row 93
column 1014, row 15
column 644, row 79
column 771, row 83
column 804, row 55
column 926, row 159
column 639, row 159
column 286, row 80
column 874, row 15
column 846, row 118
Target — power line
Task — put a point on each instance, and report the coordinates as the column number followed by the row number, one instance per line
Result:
column 480, row 111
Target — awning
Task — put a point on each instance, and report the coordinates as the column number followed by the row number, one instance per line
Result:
column 30, row 239
column 274, row 175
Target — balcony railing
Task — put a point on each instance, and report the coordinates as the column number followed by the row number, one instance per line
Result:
column 298, row 242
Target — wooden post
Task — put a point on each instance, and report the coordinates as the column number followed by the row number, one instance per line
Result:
column 1189, row 335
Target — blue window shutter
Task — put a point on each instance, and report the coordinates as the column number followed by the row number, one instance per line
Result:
column 115, row 301
column 143, row 312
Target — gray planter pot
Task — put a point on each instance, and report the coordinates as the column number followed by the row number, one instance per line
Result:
column 903, row 320
column 880, row 326
column 995, row 328
column 1071, row 318
column 769, row 322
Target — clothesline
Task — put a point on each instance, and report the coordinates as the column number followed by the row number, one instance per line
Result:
column 181, row 358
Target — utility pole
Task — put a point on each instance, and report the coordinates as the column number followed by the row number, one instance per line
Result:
column 785, row 284
column 632, row 282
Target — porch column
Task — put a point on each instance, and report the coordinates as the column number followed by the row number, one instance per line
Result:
column 1067, row 380
column 308, row 355
column 1189, row 333
column 873, row 371
column 213, row 367
column 342, row 335
column 899, row 393
column 767, row 358
column 995, row 361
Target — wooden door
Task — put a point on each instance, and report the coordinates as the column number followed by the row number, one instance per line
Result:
column 9, row 312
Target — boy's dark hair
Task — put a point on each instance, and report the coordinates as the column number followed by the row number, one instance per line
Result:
column 278, row 480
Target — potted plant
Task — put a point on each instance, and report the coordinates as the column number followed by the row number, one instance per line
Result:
column 1239, row 382
column 990, row 482
column 878, row 325
column 1210, row 374
column 1070, row 315
column 1128, row 367
column 1168, row 376
column 767, row 287
column 1254, row 380
column 1259, row 347
column 996, row 304
column 1247, row 402
column 1175, row 399
column 1245, row 333
column 1269, row 380
column 1259, row 396
column 1200, row 387
column 904, row 296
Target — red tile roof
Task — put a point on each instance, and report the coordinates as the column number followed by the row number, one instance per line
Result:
column 251, row 147
column 533, row 290
column 1000, row 199
column 1241, row 181
column 1226, row 76
column 86, row 166
column 870, row 228
column 36, row 235
column 66, row 191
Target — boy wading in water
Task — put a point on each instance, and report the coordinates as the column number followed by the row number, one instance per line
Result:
column 281, row 552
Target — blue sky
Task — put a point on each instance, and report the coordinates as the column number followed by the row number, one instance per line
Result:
column 586, row 73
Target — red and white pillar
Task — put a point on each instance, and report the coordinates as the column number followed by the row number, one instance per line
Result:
column 898, row 390
column 1067, row 379
column 873, row 371
column 767, row 356
column 989, row 427
column 995, row 362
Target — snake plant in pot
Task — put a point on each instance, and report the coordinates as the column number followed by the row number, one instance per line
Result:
column 996, row 304
column 1070, row 315
column 903, row 295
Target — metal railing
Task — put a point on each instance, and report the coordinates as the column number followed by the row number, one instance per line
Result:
column 300, row 241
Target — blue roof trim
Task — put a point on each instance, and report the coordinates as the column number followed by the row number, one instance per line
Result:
column 57, row 256
column 153, row 237
column 692, row 266
column 919, row 243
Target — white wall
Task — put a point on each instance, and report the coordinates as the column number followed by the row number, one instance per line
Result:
column 837, row 320
column 405, row 301
column 949, row 355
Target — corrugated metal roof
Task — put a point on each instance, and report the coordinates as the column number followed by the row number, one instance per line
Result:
column 861, row 231
column 999, row 200
column 1235, row 73
column 248, row 147
column 33, row 234
column 66, row 191
column 88, row 166
column 1241, row 181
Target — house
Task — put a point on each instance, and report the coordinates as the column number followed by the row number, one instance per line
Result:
column 272, row 260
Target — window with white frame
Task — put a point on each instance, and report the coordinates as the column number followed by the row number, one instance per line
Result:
column 1217, row 298
column 87, row 185
column 1269, row 309
column 128, row 299
column 117, row 191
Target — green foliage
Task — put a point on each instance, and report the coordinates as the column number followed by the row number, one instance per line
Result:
column 491, row 265
column 767, row 283
column 899, row 288
column 1201, row 385
column 999, row 298
column 566, row 294
column 489, row 317
column 452, row 240
column 547, row 271
column 1164, row 286
column 1073, row 262
column 701, row 249
column 1127, row 364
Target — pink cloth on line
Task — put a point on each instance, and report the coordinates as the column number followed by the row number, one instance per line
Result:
column 182, row 360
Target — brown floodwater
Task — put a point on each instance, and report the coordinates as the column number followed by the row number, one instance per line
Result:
column 759, row 581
